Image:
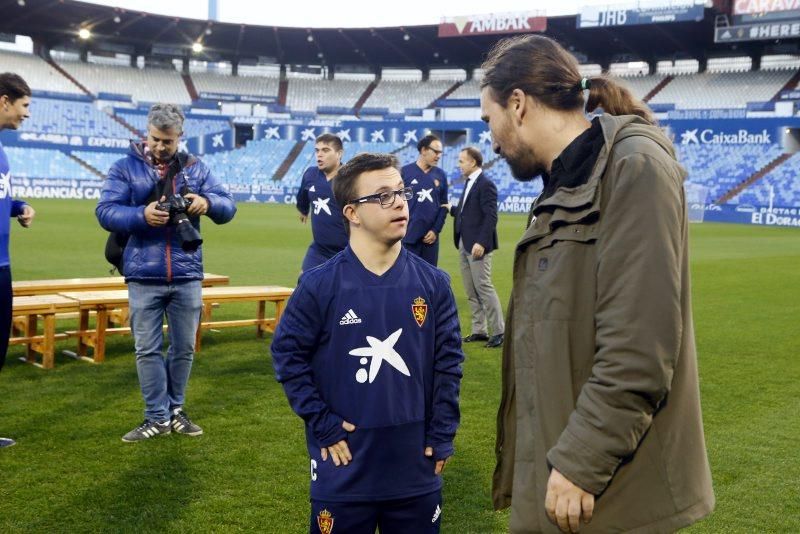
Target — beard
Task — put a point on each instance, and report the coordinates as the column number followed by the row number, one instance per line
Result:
column 524, row 169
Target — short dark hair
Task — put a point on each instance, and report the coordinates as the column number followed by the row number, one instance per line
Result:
column 330, row 139
column 13, row 86
column 345, row 183
column 475, row 154
column 426, row 141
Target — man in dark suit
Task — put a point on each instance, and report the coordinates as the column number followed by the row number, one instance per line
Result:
column 475, row 237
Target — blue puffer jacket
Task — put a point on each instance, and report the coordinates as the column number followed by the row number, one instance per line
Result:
column 155, row 254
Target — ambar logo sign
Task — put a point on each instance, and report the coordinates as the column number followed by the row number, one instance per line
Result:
column 709, row 137
column 495, row 23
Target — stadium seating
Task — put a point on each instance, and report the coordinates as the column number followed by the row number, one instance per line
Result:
column 713, row 90
column 468, row 89
column 72, row 118
column 207, row 82
column 102, row 161
column 397, row 95
column 193, row 127
column 143, row 85
column 306, row 158
column 722, row 167
column 783, row 181
column 37, row 72
column 255, row 163
column 640, row 86
column 307, row 94
column 728, row 83
column 45, row 163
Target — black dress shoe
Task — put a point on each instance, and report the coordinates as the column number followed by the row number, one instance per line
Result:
column 476, row 337
column 495, row 341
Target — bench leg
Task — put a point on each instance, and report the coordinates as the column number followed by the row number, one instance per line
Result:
column 280, row 305
column 262, row 306
column 48, row 345
column 83, row 326
column 198, row 336
column 30, row 331
column 18, row 325
column 100, row 336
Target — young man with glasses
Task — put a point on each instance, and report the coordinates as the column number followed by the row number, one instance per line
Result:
column 369, row 355
column 425, row 207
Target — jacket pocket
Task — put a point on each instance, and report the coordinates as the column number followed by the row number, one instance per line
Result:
column 572, row 233
column 560, row 273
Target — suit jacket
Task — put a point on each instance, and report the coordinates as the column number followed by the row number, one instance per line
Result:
column 476, row 219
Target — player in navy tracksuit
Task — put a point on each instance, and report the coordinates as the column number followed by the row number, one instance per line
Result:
column 369, row 354
column 430, row 192
column 315, row 200
column 15, row 97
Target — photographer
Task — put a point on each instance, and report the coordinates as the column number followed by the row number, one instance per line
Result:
column 156, row 195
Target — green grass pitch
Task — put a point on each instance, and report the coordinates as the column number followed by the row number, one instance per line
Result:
column 71, row 473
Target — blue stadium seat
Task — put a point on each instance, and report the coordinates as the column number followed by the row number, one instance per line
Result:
column 46, row 163
column 72, row 118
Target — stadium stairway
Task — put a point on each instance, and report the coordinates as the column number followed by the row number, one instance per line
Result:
column 287, row 163
column 69, row 76
column 127, row 125
column 791, row 85
column 283, row 90
column 400, row 149
column 445, row 94
column 654, row 91
column 756, row 176
column 364, row 96
column 489, row 164
column 187, row 80
column 91, row 168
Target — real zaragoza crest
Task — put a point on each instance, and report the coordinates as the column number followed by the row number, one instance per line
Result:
column 325, row 522
column 420, row 311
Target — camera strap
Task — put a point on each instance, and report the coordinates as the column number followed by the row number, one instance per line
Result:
column 174, row 168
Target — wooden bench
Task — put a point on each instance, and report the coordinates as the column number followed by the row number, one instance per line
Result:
column 258, row 294
column 101, row 302
column 30, row 308
column 103, row 283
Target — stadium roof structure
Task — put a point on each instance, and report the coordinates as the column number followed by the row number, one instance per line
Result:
column 55, row 24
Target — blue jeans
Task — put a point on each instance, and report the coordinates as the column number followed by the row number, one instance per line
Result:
column 163, row 381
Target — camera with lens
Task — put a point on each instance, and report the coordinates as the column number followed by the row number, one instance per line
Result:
column 188, row 235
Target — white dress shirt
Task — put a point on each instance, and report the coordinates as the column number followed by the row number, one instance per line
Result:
column 470, row 182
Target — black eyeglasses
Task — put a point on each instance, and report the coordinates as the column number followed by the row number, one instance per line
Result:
column 386, row 198
column 435, row 151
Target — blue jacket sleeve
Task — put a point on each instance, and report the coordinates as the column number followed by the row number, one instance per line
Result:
column 221, row 207
column 293, row 346
column 488, row 200
column 17, row 206
column 440, row 218
column 303, row 202
column 114, row 210
column 445, row 413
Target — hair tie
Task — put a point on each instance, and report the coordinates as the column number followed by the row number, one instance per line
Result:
column 586, row 83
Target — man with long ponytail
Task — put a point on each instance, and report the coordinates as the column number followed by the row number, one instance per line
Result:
column 599, row 426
